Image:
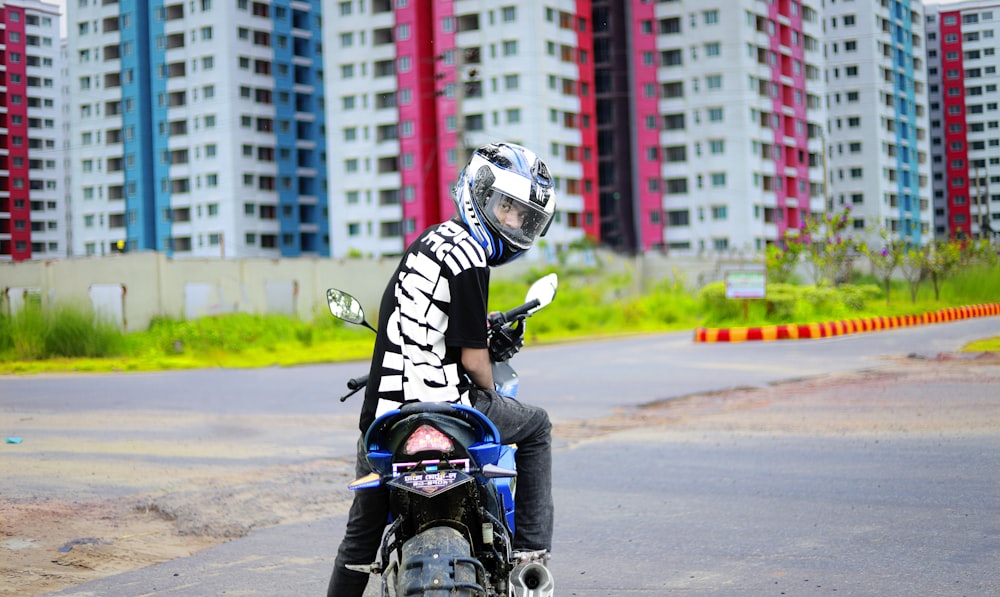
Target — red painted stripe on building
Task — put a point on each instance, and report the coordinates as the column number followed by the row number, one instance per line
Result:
column 15, row 100
column 955, row 142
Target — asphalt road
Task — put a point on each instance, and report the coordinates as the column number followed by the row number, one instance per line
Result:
column 752, row 507
column 572, row 381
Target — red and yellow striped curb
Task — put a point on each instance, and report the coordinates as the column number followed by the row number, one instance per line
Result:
column 841, row 328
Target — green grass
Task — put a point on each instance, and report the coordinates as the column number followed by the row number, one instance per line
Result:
column 34, row 333
column 66, row 338
column 984, row 345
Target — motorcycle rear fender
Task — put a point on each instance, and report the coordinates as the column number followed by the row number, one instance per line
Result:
column 486, row 450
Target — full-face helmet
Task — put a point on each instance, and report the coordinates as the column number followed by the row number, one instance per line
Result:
column 506, row 198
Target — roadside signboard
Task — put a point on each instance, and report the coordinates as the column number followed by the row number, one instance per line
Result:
column 747, row 284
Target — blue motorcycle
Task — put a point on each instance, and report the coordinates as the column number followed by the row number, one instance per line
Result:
column 451, row 481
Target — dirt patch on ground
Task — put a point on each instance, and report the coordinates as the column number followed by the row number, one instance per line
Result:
column 49, row 544
column 866, row 401
column 109, row 537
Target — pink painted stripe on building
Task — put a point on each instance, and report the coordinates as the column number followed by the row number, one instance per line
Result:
column 648, row 202
column 448, row 142
column 587, row 120
column 788, row 79
column 416, row 105
column 799, row 99
column 778, row 117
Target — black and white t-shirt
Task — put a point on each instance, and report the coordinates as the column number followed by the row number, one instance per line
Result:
column 434, row 305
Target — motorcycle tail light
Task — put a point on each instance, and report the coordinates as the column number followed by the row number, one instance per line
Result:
column 426, row 439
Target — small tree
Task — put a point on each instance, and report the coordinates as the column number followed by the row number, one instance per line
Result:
column 831, row 251
column 780, row 262
column 913, row 263
column 982, row 251
column 942, row 259
column 884, row 260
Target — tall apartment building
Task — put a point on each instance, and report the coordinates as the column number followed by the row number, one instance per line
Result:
column 412, row 87
column 709, row 116
column 32, row 187
column 965, row 118
column 197, row 127
column 878, row 156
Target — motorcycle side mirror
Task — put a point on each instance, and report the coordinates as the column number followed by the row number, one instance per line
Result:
column 543, row 290
column 346, row 307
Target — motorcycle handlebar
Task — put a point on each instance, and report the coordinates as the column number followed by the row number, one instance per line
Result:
column 357, row 383
column 516, row 312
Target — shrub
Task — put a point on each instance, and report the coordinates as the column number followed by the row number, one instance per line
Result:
column 781, row 302
column 716, row 306
column 35, row 333
column 856, row 297
column 75, row 332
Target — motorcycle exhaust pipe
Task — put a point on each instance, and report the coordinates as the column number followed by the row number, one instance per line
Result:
column 532, row 580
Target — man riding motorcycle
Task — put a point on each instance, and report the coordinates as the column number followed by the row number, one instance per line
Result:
column 432, row 344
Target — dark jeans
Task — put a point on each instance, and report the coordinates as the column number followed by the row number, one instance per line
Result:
column 527, row 426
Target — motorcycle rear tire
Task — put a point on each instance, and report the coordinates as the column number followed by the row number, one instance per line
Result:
column 436, row 563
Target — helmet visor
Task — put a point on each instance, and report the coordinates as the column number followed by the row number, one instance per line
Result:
column 518, row 222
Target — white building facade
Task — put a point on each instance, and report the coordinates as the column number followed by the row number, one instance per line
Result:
column 729, row 150
column 412, row 87
column 878, row 140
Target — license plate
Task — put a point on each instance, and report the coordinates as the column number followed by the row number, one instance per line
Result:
column 430, row 483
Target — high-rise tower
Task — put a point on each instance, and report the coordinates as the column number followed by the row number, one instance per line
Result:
column 197, row 128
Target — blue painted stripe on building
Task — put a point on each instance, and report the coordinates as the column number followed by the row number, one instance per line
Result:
column 141, row 86
column 160, row 111
column 319, row 217
column 285, row 135
column 293, row 215
column 905, row 106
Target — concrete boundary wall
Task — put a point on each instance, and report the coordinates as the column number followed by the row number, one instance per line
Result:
column 155, row 285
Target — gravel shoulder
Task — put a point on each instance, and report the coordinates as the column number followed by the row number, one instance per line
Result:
column 72, row 509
